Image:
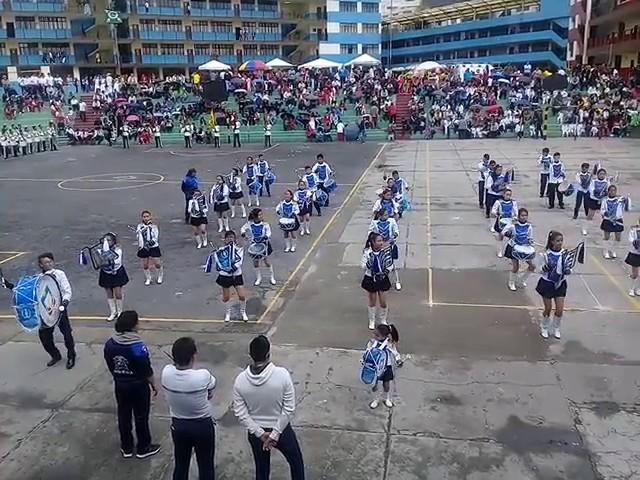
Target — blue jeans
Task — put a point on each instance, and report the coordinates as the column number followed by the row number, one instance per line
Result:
column 288, row 446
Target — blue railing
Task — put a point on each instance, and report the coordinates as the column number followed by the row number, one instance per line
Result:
column 199, row 36
column 170, row 11
column 162, row 35
column 260, row 13
column 266, row 37
column 164, row 59
column 3, row 34
column 43, row 33
column 36, row 59
column 5, row 60
column 214, row 11
column 37, row 6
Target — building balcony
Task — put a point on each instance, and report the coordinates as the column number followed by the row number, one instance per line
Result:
column 162, row 35
column 4, row 61
column 228, row 59
column 217, row 36
column 625, row 41
column 261, row 37
column 215, row 11
column 161, row 11
column 259, row 13
column 3, row 34
column 37, row 6
column 36, row 59
column 612, row 12
column 43, row 33
column 156, row 59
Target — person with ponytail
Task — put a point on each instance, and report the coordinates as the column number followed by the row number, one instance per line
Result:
column 384, row 337
column 377, row 263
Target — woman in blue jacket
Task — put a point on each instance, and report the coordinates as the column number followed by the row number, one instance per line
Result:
column 190, row 184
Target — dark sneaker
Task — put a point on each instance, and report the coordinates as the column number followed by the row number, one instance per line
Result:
column 126, row 453
column 53, row 361
column 71, row 361
column 150, row 450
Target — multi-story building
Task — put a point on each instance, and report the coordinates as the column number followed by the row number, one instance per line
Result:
column 613, row 36
column 175, row 36
column 480, row 31
column 579, row 20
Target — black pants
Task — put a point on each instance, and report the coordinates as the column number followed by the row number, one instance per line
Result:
column 481, row 192
column 216, row 142
column 544, row 178
column 46, row 338
column 318, row 208
column 187, row 142
column 324, row 189
column 488, row 203
column 193, row 434
column 158, row 142
column 552, row 192
column 134, row 400
column 581, row 200
column 125, row 142
column 267, row 140
column 236, row 140
column 264, row 185
column 290, row 449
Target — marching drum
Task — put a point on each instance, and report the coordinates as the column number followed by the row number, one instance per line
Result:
column 566, row 188
column 257, row 250
column 254, row 186
column 504, row 223
column 523, row 252
column 37, row 302
column 320, row 196
column 270, row 177
column 330, row 185
column 289, row 224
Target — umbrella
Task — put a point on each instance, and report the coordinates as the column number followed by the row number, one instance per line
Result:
column 364, row 60
column 133, row 118
column 503, row 80
column 239, row 90
column 278, row 63
column 214, row 66
column 424, row 66
column 319, row 63
column 253, row 65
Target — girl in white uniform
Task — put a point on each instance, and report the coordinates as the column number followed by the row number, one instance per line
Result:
column 633, row 259
column 259, row 231
column 519, row 249
column 113, row 276
column 288, row 211
column 219, row 198
column 304, row 198
column 388, row 228
column 387, row 202
column 149, row 247
column 505, row 211
column 228, row 261
column 390, row 334
column 250, row 170
column 235, row 192
column 377, row 263
column 612, row 209
column 198, row 209
column 597, row 192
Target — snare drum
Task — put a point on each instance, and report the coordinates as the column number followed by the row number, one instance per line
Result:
column 270, row 177
column 330, row 185
column 257, row 250
column 289, row 224
column 36, row 301
column 566, row 188
column 320, row 196
column 254, row 186
column 523, row 252
column 504, row 223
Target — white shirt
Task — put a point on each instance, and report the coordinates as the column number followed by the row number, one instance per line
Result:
column 187, row 391
column 63, row 282
column 215, row 192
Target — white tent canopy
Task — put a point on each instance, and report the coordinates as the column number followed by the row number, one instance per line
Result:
column 424, row 66
column 278, row 63
column 214, row 66
column 320, row 63
column 365, row 60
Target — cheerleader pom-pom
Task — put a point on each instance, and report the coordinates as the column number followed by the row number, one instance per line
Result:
column 209, row 265
column 82, row 258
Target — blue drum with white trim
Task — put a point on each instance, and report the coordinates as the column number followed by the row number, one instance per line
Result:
column 37, row 302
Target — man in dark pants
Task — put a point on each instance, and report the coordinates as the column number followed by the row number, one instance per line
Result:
column 544, row 160
column 483, row 171
column 264, row 401
column 556, row 177
column 128, row 361
column 188, row 392
column 46, row 263
column 582, row 189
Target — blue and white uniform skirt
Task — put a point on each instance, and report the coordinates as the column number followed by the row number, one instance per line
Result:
column 609, row 226
column 547, row 289
column 113, row 280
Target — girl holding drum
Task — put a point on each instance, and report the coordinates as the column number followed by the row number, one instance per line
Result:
column 597, row 191
column 520, row 249
column 198, row 209
column 387, row 202
column 612, row 209
column 259, row 232
column 235, row 192
column 505, row 211
column 304, row 199
column 149, row 248
column 219, row 198
column 251, row 172
column 113, row 276
column 288, row 211
column 388, row 228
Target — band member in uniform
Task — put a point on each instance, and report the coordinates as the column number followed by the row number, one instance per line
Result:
column 198, row 209
column 113, row 276
column 323, row 171
column 126, row 131
column 46, row 263
column 228, row 260
column 495, row 185
column 235, row 192
column 633, row 259
column 311, row 179
column 505, row 211
column 263, row 168
column 583, row 180
column 544, row 160
column 483, row 171
column 388, row 203
column 390, row 334
column 612, row 209
column 157, row 135
column 552, row 286
column 377, row 264
column 597, row 192
column 251, row 171
column 519, row 248
column 400, row 187
column 149, row 247
column 219, row 198
column 388, row 228
column 556, row 177
column 304, row 198
column 288, row 211
column 259, row 231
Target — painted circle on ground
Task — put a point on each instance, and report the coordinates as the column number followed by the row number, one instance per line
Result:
column 110, row 181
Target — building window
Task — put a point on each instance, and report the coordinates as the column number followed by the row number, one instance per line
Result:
column 268, row 28
column 270, row 50
column 201, row 49
column 219, row 49
column 25, row 22
column 3, row 49
column 170, row 25
column 371, row 48
column 200, row 26
column 171, row 49
column 370, row 28
column 53, row 23
column 348, row 28
column 149, row 49
column 28, row 49
column 221, row 27
column 348, row 49
column 147, row 25
column 369, row 7
column 348, row 6
column 250, row 50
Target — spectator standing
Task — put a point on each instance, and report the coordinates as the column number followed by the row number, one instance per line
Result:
column 188, row 392
column 127, row 359
column 236, row 134
column 264, row 402
column 189, row 185
column 82, row 108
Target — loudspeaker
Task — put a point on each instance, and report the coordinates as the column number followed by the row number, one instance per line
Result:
column 215, row 90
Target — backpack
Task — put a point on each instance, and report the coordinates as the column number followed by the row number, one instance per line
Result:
column 374, row 362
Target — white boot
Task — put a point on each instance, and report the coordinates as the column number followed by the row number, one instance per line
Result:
column 512, row 281
column 257, row 201
column 160, row 274
column 632, row 287
column 205, row 241
column 308, row 227
column 606, row 254
column 244, row 211
column 243, row 310
column 198, row 241
column 499, row 247
column 372, row 317
column 637, row 287
column 273, row 277
column 220, row 225
column 233, row 211
column 293, row 244
column 522, row 280
column 258, row 277
column 544, row 327
column 227, row 311
column 226, row 224
column 556, row 327
column 287, row 245
column 613, row 249
column 147, row 277
column 112, row 309
column 384, row 311
column 301, row 232
column 119, row 308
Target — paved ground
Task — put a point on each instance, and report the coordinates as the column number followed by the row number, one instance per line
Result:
column 481, row 396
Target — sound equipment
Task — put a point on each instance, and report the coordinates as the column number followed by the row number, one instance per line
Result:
column 215, row 90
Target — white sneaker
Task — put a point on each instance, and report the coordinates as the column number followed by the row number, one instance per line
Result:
column 227, row 317
column 544, row 333
column 258, row 281
column 388, row 403
column 245, row 318
column 584, row 232
column 637, row 292
column 273, row 280
column 308, row 231
column 512, row 286
column 205, row 243
column 112, row 316
column 287, row 249
column 607, row 255
column 293, row 248
column 220, row 228
column 160, row 279
column 302, row 233
column 398, row 286
column 147, row 282
column 372, row 324
column 257, row 203
column 500, row 254
column 556, row 333
column 374, row 404
column 614, row 255
column 632, row 292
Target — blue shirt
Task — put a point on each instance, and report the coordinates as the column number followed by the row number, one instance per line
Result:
column 128, row 362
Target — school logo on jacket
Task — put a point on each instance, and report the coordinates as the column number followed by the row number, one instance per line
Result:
column 121, row 366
